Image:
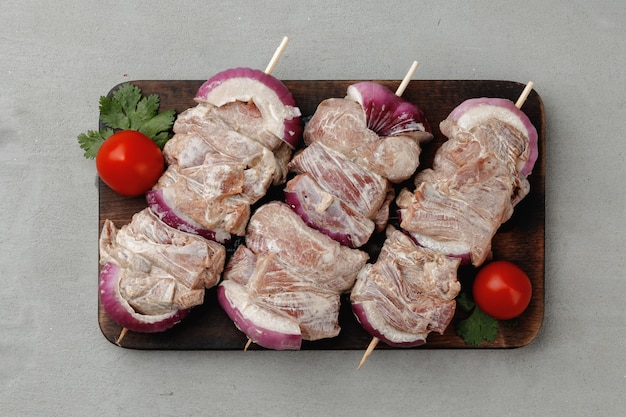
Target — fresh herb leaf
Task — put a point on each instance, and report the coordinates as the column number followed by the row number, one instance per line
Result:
column 124, row 109
column 477, row 327
column 90, row 142
column 112, row 114
column 146, row 109
column 158, row 127
column 128, row 96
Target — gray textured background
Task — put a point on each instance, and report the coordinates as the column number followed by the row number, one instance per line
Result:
column 58, row 57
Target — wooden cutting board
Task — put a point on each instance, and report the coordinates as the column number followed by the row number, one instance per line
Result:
column 520, row 240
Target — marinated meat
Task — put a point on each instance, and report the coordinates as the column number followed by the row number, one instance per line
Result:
column 275, row 228
column 241, row 265
column 323, row 211
column 209, row 195
column 219, row 165
column 408, row 293
column 248, row 121
column 291, row 272
column 341, row 124
column 162, row 269
column 360, row 188
column 300, row 255
column 278, row 287
column 477, row 178
column 201, row 130
column 357, row 147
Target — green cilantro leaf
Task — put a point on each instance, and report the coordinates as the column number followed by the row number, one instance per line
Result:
column 146, row 109
column 128, row 96
column 112, row 114
column 90, row 142
column 124, row 109
column 158, row 127
column 477, row 327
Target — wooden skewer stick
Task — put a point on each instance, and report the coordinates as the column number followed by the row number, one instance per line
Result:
column 121, row 336
column 277, row 54
column 399, row 92
column 268, row 70
column 368, row 351
column 522, row 98
column 248, row 343
column 407, row 79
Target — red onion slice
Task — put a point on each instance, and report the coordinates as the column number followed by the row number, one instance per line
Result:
column 473, row 111
column 363, row 312
column 386, row 113
column 123, row 314
column 271, row 96
column 168, row 214
column 263, row 327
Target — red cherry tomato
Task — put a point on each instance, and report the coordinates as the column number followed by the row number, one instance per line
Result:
column 129, row 162
column 502, row 290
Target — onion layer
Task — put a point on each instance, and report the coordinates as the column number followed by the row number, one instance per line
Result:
column 386, row 113
column 273, row 99
column 362, row 313
column 123, row 314
column 168, row 215
column 263, row 327
column 473, row 111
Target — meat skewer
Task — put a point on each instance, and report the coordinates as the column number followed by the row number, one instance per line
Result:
column 227, row 151
column 405, row 82
column 357, row 147
column 284, row 285
column 450, row 290
column 158, row 266
column 268, row 70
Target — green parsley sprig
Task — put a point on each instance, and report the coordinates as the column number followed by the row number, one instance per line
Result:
column 128, row 109
column 478, row 326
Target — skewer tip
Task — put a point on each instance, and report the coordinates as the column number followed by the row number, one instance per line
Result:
column 276, row 56
column 407, row 78
column 118, row 341
column 248, row 343
column 522, row 98
column 368, row 352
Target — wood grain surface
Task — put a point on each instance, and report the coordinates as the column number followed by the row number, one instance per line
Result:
column 520, row 240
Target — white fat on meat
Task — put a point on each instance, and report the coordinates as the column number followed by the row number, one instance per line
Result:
column 162, row 269
column 408, row 292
